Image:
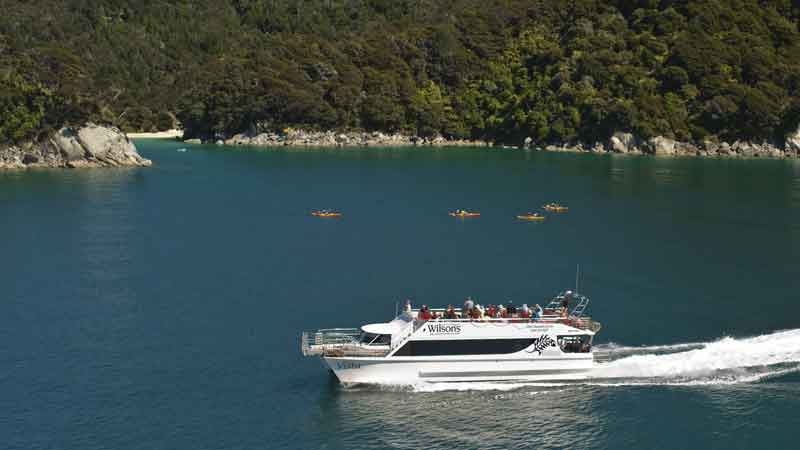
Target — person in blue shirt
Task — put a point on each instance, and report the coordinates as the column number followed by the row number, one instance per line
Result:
column 537, row 312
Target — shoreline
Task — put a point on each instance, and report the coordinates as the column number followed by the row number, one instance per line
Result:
column 169, row 134
column 618, row 143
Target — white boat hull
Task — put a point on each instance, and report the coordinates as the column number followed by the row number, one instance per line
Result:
column 411, row 371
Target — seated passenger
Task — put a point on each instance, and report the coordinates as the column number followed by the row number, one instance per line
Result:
column 502, row 312
column 424, row 313
column 450, row 313
column 512, row 310
column 524, row 312
column 475, row 313
column 491, row 311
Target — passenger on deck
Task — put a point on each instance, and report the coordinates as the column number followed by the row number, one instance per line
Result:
column 537, row 312
column 525, row 312
column 424, row 313
column 565, row 304
column 502, row 312
column 407, row 307
column 491, row 311
column 468, row 304
column 450, row 313
column 512, row 310
column 475, row 313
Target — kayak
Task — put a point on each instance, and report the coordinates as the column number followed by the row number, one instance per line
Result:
column 326, row 214
column 465, row 214
column 530, row 217
column 555, row 208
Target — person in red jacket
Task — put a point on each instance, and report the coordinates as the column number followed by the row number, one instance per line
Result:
column 424, row 313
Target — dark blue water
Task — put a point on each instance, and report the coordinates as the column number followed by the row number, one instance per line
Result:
column 161, row 308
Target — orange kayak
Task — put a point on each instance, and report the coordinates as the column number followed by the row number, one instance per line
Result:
column 555, row 208
column 530, row 217
column 465, row 214
column 326, row 214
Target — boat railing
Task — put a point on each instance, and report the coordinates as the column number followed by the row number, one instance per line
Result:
column 338, row 342
column 583, row 323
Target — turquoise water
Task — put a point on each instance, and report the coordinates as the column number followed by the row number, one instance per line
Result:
column 161, row 307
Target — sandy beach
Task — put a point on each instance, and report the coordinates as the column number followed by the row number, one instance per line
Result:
column 157, row 135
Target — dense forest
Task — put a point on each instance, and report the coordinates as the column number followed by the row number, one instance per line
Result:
column 552, row 70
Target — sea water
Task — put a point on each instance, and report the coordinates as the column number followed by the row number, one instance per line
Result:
column 161, row 307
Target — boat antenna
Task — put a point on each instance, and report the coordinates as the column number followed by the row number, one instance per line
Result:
column 396, row 307
column 577, row 276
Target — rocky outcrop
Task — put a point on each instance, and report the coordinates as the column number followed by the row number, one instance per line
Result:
column 304, row 138
column 624, row 143
column 89, row 146
column 629, row 143
column 792, row 143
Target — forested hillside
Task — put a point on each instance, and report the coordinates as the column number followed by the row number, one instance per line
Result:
column 554, row 70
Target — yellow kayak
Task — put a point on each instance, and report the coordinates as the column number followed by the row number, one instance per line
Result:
column 464, row 214
column 529, row 216
column 326, row 214
column 555, row 208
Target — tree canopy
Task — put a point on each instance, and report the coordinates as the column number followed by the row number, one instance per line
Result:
column 554, row 70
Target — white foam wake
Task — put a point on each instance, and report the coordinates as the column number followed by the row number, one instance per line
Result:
column 722, row 362
column 727, row 359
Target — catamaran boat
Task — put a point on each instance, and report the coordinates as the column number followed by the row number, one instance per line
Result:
column 552, row 346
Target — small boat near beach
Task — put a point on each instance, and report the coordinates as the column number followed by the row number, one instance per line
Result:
column 533, row 217
column 473, row 344
column 464, row 213
column 326, row 213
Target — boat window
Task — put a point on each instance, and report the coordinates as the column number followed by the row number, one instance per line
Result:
column 464, row 347
column 575, row 344
column 375, row 339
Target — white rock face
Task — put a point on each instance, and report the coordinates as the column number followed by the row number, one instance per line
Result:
column 89, row 146
column 792, row 144
column 660, row 145
column 623, row 143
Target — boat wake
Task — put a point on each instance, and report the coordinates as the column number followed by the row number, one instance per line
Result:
column 724, row 361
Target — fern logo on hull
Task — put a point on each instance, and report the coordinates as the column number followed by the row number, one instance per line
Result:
column 541, row 344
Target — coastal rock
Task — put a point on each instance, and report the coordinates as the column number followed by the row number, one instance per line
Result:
column 307, row 138
column 661, row 146
column 792, row 143
column 527, row 142
column 623, row 143
column 598, row 147
column 108, row 146
column 89, row 146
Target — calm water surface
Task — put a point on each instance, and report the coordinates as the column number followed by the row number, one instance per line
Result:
column 161, row 308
